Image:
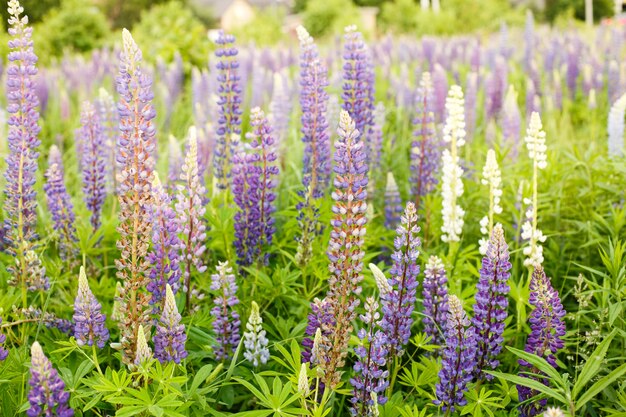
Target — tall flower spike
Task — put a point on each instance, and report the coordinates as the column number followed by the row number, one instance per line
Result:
column 370, row 380
column 546, row 336
column 90, row 324
column 21, row 163
column 4, row 353
column 375, row 134
column 190, row 207
column 93, row 162
column 170, row 337
column 452, row 185
column 393, row 203
column 229, row 102
column 47, row 396
column 458, row 358
column 254, row 339
column 490, row 309
column 136, row 145
column 435, row 295
column 108, row 117
column 424, row 153
column 226, row 321
column 143, row 353
column 356, row 79
column 60, row 205
column 319, row 318
column 345, row 249
column 164, row 258
column 536, row 144
column 384, row 288
column 511, row 121
column 398, row 304
column 492, row 178
column 616, row 128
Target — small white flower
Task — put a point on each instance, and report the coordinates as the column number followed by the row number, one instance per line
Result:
column 536, row 141
column 255, row 341
column 616, row 127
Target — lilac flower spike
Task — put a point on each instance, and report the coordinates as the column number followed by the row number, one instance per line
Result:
column 107, row 116
column 226, row 319
column 165, row 255
column 547, row 330
column 93, row 162
column 511, row 121
column 356, row 79
column 490, row 309
column 60, row 205
column 90, row 327
column 375, row 135
column 170, row 337
column 255, row 340
column 435, row 295
column 398, row 304
column 144, row 353
column 191, row 209
column 321, row 319
column 458, row 357
column 21, row 163
column 370, row 380
column 4, row 353
column 393, row 203
column 47, row 396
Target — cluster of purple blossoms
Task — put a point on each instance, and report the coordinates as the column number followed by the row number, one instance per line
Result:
column 370, row 380
column 458, row 357
column 60, row 205
column 375, row 137
column 89, row 322
column 108, row 118
column 50, row 320
column 226, row 321
column 511, row 121
column 229, row 102
column 170, row 337
column 547, row 330
column 399, row 302
column 4, row 353
column 393, row 203
column 47, row 396
column 435, row 295
column 164, row 257
column 254, row 180
column 440, row 92
column 356, row 80
column 490, row 309
column 93, row 162
column 424, row 153
column 319, row 318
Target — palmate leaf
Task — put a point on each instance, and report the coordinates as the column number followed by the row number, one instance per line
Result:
column 600, row 385
column 593, row 364
column 530, row 383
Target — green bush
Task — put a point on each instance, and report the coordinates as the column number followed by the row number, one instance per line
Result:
column 556, row 8
column 329, row 16
column 126, row 13
column 265, row 29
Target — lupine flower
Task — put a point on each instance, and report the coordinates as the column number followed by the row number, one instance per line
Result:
column 47, row 396
column 226, row 319
column 48, row 319
column 511, row 121
column 345, row 249
column 4, row 353
column 553, row 412
column 190, row 208
column 616, row 127
column 458, row 357
column 303, row 380
column 398, row 304
column 89, row 322
column 60, row 205
column 452, row 186
column 229, row 102
column 490, row 309
column 393, row 203
column 175, row 162
column 536, row 144
column 320, row 319
column 164, row 258
column 108, row 117
column 471, row 92
column 424, row 154
column 545, row 339
column 495, row 87
column 613, row 81
column 370, row 374
column 280, row 108
column 254, row 339
column 435, row 295
column 93, row 162
column 440, row 88
column 170, row 337
column 375, row 141
column 136, row 144
column 143, row 352
column 356, row 79
column 384, row 288
column 21, row 163
column 492, row 178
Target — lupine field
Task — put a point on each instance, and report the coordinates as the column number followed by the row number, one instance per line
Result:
column 391, row 227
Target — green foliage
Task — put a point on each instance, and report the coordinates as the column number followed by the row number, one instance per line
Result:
column 265, row 29
column 556, row 8
column 329, row 16
column 36, row 9
column 125, row 13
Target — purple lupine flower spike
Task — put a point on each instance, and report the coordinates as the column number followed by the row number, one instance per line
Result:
column 471, row 92
column 546, row 336
column 4, row 353
column 60, row 205
column 190, row 206
column 399, row 302
column 319, row 318
column 345, row 249
column 164, row 257
column 90, row 327
column 108, row 118
column 458, row 357
column 136, row 145
column 229, row 102
column 370, row 380
column 511, row 121
column 93, row 162
column 21, row 163
column 435, row 295
column 393, row 203
column 490, row 309
column 424, row 154
column 226, row 321
column 376, row 137
column 356, row 79
column 440, row 92
column 47, row 396
column 170, row 336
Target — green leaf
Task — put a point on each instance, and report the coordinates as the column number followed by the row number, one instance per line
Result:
column 541, row 364
column 593, row 364
column 600, row 385
column 91, row 404
column 530, row 383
